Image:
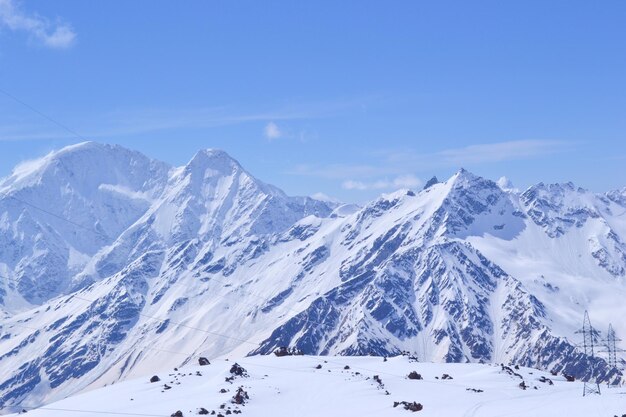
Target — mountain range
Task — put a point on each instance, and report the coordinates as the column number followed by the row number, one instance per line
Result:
column 114, row 265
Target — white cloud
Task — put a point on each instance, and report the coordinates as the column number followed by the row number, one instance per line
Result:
column 407, row 181
column 272, row 131
column 324, row 197
column 402, row 181
column 354, row 185
column 59, row 35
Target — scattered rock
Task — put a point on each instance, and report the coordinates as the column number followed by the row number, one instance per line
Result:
column 474, row 390
column 546, row 380
column 223, row 391
column 569, row 378
column 379, row 381
column 286, row 351
column 177, row 414
column 203, row 361
column 410, row 406
column 346, row 367
column 414, row 375
column 238, row 370
column 523, row 385
column 155, row 379
column 203, row 411
column 510, row 371
column 166, row 387
column 318, row 366
column 241, row 396
column 446, row 376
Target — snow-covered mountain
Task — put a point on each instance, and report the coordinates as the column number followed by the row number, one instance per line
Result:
column 114, row 265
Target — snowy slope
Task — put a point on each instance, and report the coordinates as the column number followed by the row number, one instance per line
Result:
column 343, row 386
column 215, row 262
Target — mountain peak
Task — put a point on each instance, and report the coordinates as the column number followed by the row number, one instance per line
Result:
column 464, row 175
column 214, row 159
column 75, row 161
column 464, row 179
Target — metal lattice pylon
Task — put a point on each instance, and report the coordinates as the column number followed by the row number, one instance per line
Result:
column 590, row 340
column 611, row 349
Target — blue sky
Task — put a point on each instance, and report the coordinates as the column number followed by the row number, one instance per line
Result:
column 350, row 99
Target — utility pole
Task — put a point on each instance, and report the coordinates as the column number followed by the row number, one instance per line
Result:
column 590, row 338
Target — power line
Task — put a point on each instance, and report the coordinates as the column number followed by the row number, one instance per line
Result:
column 41, row 114
column 179, row 324
column 76, row 134
column 57, row 216
column 187, row 326
column 74, row 410
column 265, row 300
column 216, row 334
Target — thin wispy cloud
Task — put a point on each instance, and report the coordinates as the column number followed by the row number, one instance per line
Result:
column 373, row 176
column 339, row 171
column 476, row 154
column 402, row 181
column 141, row 121
column 53, row 35
column 503, row 151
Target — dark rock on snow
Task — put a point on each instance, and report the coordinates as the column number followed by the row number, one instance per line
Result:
column 414, row 375
column 410, row 406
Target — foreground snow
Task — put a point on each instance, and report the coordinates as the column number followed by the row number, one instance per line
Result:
column 293, row 386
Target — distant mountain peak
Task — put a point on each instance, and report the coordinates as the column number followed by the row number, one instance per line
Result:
column 505, row 184
column 464, row 175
